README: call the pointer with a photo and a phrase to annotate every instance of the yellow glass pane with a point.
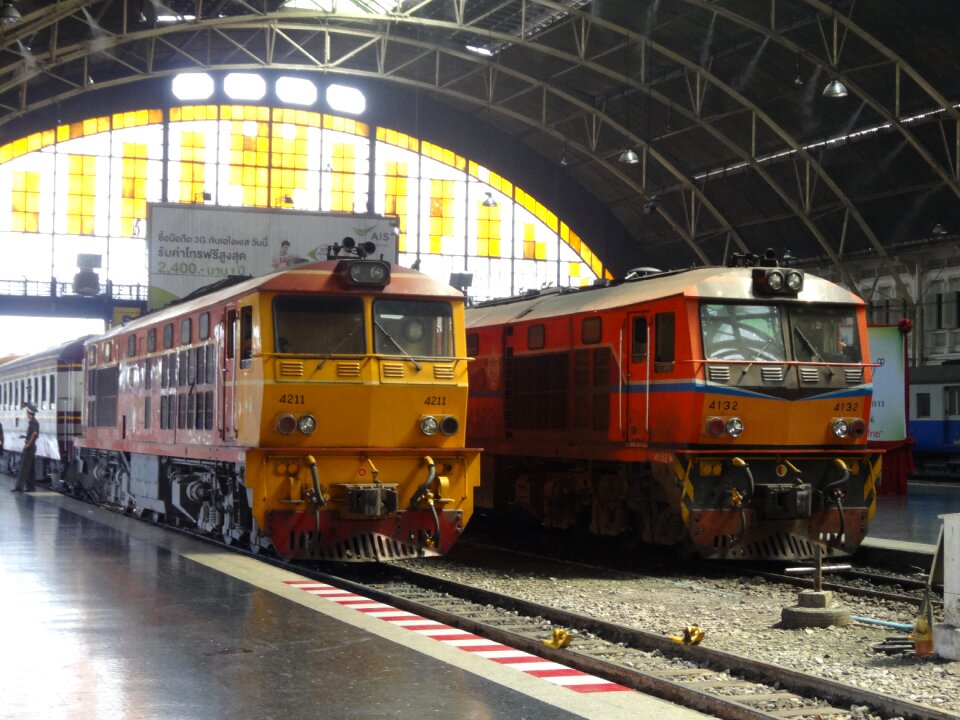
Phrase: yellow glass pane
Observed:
(529, 250)
(541, 251)
(529, 232)
(495, 247)
(573, 269)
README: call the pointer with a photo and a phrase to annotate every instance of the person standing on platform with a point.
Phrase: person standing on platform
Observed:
(25, 478)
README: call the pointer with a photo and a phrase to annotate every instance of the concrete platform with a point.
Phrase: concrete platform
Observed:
(104, 616)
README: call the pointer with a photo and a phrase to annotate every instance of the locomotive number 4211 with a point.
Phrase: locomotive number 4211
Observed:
(435, 400)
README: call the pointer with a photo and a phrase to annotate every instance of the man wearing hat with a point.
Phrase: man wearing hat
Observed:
(25, 478)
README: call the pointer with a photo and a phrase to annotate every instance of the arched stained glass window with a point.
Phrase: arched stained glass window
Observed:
(453, 215)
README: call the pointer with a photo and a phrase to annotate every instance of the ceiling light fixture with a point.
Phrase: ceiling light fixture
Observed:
(488, 200)
(628, 157)
(563, 157)
(835, 89)
(9, 13)
(939, 230)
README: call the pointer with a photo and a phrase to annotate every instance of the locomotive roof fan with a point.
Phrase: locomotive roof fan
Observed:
(768, 277)
(363, 273)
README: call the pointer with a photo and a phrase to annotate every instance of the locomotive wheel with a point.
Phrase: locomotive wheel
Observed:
(259, 542)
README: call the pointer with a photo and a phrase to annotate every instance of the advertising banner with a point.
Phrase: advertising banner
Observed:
(888, 415)
(190, 246)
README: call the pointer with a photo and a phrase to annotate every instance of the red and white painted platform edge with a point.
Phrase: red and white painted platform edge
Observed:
(525, 662)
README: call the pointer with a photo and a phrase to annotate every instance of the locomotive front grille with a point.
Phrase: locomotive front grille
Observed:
(719, 373)
(772, 373)
(392, 370)
(810, 374)
(443, 372)
(291, 368)
(854, 376)
(348, 369)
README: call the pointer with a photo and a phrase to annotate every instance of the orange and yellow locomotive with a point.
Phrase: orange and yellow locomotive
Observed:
(317, 412)
(722, 409)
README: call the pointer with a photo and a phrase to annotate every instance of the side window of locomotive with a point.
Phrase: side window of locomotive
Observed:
(204, 326)
(230, 332)
(246, 336)
(591, 330)
(638, 341)
(419, 328)
(318, 326)
(664, 342)
(186, 331)
(152, 340)
(168, 336)
(131, 346)
(536, 337)
(473, 344)
(923, 405)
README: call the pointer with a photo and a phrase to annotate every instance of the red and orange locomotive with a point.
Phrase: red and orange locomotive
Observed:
(724, 409)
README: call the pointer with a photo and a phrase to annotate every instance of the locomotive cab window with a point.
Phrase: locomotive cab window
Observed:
(742, 332)
(318, 326)
(246, 336)
(664, 350)
(638, 342)
(824, 334)
(420, 328)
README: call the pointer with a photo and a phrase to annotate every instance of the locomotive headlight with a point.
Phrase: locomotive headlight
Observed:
(286, 424)
(795, 280)
(734, 427)
(449, 425)
(840, 428)
(715, 426)
(775, 280)
(307, 424)
(429, 425)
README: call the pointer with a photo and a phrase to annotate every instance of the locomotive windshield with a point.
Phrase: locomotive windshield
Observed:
(418, 328)
(742, 332)
(814, 333)
(318, 325)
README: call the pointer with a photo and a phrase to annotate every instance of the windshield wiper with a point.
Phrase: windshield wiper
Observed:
(814, 355)
(327, 356)
(397, 345)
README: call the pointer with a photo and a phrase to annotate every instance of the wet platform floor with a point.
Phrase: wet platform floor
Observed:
(104, 616)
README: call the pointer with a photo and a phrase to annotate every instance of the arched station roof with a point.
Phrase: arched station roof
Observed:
(738, 149)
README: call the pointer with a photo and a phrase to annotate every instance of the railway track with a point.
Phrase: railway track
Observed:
(715, 682)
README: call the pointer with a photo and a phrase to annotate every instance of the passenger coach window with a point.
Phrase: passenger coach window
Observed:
(664, 350)
(421, 328)
(923, 405)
